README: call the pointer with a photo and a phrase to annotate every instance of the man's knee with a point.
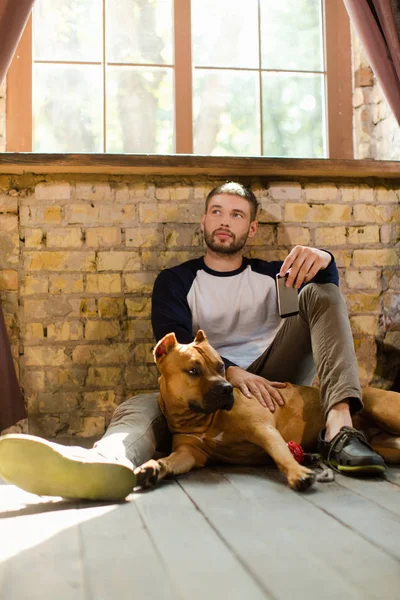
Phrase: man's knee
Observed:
(321, 296)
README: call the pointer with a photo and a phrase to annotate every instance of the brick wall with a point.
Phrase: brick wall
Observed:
(78, 259)
(376, 132)
(3, 117)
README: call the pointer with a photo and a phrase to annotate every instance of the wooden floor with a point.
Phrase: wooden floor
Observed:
(228, 532)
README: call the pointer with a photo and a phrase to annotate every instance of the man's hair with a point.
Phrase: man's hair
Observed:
(235, 189)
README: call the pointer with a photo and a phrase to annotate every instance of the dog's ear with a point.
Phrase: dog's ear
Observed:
(200, 337)
(164, 346)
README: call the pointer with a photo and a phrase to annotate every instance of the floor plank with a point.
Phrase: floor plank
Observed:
(261, 526)
(199, 562)
(120, 560)
(354, 559)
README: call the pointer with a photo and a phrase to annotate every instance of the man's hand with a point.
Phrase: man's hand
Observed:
(304, 263)
(254, 385)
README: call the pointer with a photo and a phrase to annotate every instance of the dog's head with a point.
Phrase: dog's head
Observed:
(192, 377)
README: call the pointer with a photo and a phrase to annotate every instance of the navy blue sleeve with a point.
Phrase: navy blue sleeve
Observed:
(170, 310)
(328, 275)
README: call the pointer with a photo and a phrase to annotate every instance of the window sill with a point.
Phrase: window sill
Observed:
(182, 164)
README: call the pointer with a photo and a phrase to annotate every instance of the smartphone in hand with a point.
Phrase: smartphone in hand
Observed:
(288, 298)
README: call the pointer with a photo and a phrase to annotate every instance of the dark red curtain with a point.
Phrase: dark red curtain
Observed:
(377, 23)
(13, 17)
(12, 407)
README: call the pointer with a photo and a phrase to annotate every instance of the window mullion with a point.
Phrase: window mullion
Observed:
(339, 89)
(183, 77)
(19, 101)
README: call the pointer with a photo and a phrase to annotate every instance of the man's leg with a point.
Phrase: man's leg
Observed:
(319, 340)
(104, 472)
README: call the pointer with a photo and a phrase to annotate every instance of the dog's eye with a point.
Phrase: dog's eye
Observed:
(193, 371)
(221, 368)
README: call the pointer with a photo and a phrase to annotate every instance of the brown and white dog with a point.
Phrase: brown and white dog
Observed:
(212, 421)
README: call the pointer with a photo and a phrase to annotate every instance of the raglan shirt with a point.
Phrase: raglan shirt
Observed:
(238, 310)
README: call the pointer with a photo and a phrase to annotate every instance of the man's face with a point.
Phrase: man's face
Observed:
(227, 224)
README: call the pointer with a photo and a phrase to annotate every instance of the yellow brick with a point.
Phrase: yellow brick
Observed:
(137, 376)
(104, 376)
(103, 236)
(366, 234)
(375, 257)
(143, 353)
(267, 254)
(364, 324)
(139, 282)
(138, 307)
(110, 307)
(9, 250)
(363, 302)
(90, 354)
(81, 213)
(285, 191)
(317, 213)
(182, 235)
(163, 193)
(101, 330)
(64, 238)
(180, 193)
(53, 191)
(390, 234)
(8, 280)
(33, 331)
(92, 426)
(384, 195)
(8, 204)
(265, 236)
(60, 261)
(83, 307)
(39, 356)
(124, 214)
(107, 283)
(376, 214)
(143, 237)
(137, 329)
(66, 284)
(343, 258)
(52, 214)
(164, 260)
(64, 379)
(34, 381)
(8, 223)
(99, 400)
(35, 285)
(330, 236)
(118, 261)
(201, 192)
(320, 193)
(362, 279)
(292, 236)
(353, 194)
(64, 331)
(93, 191)
(33, 238)
(269, 212)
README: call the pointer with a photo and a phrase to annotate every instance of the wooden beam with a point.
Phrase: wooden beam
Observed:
(183, 77)
(231, 166)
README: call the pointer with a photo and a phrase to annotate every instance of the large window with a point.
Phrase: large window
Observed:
(213, 77)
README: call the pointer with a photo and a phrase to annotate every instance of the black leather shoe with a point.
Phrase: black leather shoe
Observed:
(350, 453)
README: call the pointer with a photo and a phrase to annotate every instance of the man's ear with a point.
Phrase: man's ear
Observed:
(253, 229)
(200, 337)
(203, 218)
(164, 346)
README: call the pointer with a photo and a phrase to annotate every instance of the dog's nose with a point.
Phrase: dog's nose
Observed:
(224, 388)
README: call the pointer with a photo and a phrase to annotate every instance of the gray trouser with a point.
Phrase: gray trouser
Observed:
(316, 341)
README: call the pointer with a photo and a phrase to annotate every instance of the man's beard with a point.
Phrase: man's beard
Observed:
(233, 247)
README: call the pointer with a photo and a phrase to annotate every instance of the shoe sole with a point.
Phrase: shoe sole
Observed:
(367, 469)
(39, 467)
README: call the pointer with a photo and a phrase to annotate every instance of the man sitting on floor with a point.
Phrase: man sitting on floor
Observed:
(233, 299)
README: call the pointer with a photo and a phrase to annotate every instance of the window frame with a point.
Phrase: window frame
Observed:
(339, 117)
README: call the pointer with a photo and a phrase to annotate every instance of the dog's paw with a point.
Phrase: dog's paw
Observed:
(147, 474)
(302, 480)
